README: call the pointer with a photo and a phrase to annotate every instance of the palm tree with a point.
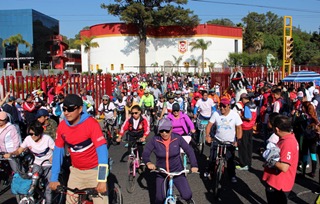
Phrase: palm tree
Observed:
(88, 44)
(177, 60)
(258, 41)
(15, 40)
(202, 45)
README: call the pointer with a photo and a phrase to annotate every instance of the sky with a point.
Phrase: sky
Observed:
(74, 15)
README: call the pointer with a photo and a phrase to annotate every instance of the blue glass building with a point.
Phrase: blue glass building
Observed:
(35, 28)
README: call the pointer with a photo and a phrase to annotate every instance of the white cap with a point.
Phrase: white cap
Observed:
(316, 91)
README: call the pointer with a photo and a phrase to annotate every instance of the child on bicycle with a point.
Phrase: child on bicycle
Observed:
(167, 150)
(41, 146)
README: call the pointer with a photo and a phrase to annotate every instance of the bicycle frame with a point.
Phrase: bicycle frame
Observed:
(134, 158)
(170, 197)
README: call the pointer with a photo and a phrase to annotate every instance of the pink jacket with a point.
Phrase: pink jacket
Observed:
(9, 138)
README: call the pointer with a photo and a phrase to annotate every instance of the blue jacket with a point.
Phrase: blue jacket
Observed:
(169, 157)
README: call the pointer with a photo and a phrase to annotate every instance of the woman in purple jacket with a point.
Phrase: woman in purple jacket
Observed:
(181, 123)
(167, 150)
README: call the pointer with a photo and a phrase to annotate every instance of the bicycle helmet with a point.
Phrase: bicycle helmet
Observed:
(170, 96)
(178, 92)
(105, 97)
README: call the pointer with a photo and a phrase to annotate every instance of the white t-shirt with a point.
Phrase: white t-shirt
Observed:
(42, 149)
(205, 107)
(108, 110)
(226, 125)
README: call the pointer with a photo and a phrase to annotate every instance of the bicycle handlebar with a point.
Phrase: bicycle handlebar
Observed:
(171, 174)
(85, 191)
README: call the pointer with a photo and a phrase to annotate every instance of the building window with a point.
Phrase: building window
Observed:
(236, 46)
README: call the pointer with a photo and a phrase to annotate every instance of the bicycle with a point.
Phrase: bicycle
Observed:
(5, 174)
(133, 166)
(38, 196)
(202, 124)
(148, 114)
(171, 198)
(184, 157)
(109, 132)
(217, 173)
(83, 196)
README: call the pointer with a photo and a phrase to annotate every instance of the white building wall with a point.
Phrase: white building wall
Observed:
(119, 50)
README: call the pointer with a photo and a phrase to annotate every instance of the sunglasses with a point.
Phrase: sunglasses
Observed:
(105, 99)
(175, 111)
(222, 106)
(162, 131)
(32, 134)
(134, 113)
(69, 109)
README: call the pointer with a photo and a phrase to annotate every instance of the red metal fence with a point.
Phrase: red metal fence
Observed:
(20, 86)
(254, 74)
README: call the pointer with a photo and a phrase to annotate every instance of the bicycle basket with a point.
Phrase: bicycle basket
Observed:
(202, 124)
(20, 185)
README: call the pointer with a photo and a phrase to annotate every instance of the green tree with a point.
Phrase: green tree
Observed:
(88, 45)
(15, 41)
(202, 45)
(177, 60)
(222, 21)
(146, 14)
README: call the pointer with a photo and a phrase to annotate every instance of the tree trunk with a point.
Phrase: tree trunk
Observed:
(202, 65)
(89, 67)
(142, 48)
(18, 60)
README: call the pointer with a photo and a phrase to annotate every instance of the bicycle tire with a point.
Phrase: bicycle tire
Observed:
(217, 177)
(115, 195)
(131, 179)
(170, 200)
(201, 142)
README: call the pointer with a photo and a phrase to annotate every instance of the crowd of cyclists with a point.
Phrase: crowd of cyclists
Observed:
(55, 125)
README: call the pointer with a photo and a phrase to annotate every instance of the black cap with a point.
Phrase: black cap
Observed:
(175, 107)
(72, 100)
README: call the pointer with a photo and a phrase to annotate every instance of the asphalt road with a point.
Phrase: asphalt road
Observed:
(248, 189)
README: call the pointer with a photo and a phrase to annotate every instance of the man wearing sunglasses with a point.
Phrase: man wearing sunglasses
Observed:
(228, 128)
(87, 147)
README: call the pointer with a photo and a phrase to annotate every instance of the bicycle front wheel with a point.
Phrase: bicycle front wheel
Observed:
(131, 181)
(201, 141)
(115, 195)
(217, 177)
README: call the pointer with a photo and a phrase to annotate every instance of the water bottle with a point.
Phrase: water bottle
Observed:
(30, 171)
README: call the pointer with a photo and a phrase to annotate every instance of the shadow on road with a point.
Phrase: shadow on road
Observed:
(10, 201)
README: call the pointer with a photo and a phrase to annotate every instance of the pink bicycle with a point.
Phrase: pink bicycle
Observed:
(133, 166)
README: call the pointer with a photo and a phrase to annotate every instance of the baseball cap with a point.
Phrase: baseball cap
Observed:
(3, 115)
(72, 100)
(316, 91)
(42, 112)
(244, 95)
(300, 94)
(225, 101)
(135, 93)
(19, 100)
(175, 107)
(12, 98)
(165, 124)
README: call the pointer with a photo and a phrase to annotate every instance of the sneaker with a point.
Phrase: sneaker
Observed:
(234, 179)
(142, 164)
(245, 168)
(312, 175)
(300, 166)
(126, 145)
